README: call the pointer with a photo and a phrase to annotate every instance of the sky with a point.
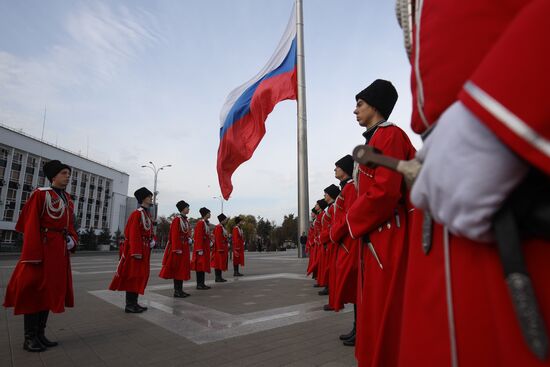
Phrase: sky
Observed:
(131, 81)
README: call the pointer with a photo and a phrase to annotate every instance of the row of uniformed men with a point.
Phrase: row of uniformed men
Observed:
(210, 250)
(42, 280)
(440, 280)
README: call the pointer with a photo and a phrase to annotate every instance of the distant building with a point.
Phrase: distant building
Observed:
(99, 192)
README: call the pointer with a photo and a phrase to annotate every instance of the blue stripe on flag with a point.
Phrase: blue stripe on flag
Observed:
(242, 104)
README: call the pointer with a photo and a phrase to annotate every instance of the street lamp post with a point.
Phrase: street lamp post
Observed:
(156, 171)
(221, 200)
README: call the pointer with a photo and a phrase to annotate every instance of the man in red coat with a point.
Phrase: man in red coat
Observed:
(238, 247)
(487, 98)
(310, 246)
(331, 193)
(378, 219)
(344, 281)
(320, 207)
(41, 281)
(221, 248)
(132, 273)
(202, 241)
(176, 262)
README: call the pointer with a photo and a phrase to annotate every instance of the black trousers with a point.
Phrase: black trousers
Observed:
(178, 285)
(218, 273)
(131, 298)
(35, 323)
(200, 277)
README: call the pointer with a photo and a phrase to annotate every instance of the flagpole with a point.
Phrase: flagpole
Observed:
(303, 189)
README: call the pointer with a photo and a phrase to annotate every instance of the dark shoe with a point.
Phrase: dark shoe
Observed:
(220, 280)
(316, 286)
(348, 335)
(47, 343)
(185, 294)
(324, 292)
(133, 309)
(179, 294)
(143, 308)
(201, 287)
(328, 308)
(350, 342)
(32, 344)
(237, 274)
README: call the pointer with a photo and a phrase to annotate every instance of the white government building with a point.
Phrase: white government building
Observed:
(99, 192)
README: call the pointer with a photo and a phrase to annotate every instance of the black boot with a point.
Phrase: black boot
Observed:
(348, 335)
(236, 271)
(42, 320)
(328, 308)
(350, 342)
(324, 292)
(178, 289)
(131, 303)
(219, 278)
(200, 281)
(32, 343)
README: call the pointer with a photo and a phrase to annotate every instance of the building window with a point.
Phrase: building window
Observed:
(14, 175)
(11, 194)
(8, 215)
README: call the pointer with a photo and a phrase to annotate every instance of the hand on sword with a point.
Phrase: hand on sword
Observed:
(372, 157)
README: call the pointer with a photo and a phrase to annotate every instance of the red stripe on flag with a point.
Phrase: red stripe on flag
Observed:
(241, 139)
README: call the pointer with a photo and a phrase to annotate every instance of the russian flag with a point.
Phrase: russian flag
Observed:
(246, 108)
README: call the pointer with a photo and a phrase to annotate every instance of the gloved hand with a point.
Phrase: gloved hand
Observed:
(200, 252)
(179, 252)
(137, 256)
(152, 244)
(70, 243)
(467, 173)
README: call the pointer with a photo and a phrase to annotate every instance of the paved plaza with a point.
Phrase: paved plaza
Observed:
(270, 317)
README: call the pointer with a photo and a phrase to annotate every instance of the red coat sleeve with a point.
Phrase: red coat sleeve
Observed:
(175, 238)
(29, 224)
(327, 222)
(381, 190)
(198, 237)
(72, 231)
(509, 88)
(133, 229)
(339, 228)
(237, 240)
(218, 238)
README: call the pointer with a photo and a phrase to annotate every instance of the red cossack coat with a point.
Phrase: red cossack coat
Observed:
(379, 216)
(313, 263)
(42, 278)
(325, 260)
(502, 78)
(132, 273)
(201, 248)
(238, 246)
(176, 260)
(221, 249)
(347, 249)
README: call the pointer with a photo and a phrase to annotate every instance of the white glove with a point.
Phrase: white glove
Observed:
(467, 173)
(200, 252)
(152, 244)
(70, 243)
(190, 241)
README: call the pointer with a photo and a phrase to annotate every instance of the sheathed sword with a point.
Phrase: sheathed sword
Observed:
(508, 242)
(372, 157)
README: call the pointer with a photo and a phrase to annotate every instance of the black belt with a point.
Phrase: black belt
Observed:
(526, 213)
(58, 230)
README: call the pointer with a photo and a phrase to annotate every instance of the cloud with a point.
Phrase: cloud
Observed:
(96, 43)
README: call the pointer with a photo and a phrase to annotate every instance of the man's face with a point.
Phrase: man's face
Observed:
(317, 208)
(185, 211)
(339, 173)
(364, 113)
(207, 216)
(148, 201)
(328, 199)
(61, 180)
